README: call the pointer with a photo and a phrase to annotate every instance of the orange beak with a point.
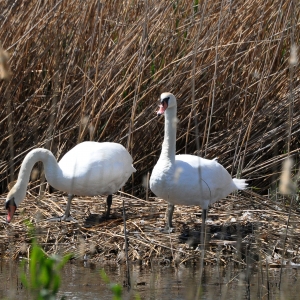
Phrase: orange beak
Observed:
(162, 108)
(10, 212)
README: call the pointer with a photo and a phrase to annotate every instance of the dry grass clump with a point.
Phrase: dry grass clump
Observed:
(239, 231)
(94, 70)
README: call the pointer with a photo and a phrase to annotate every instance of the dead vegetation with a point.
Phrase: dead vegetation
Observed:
(244, 229)
(91, 70)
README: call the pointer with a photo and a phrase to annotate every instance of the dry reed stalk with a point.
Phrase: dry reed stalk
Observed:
(5, 72)
(288, 186)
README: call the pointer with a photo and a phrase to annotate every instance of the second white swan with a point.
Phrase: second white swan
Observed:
(187, 179)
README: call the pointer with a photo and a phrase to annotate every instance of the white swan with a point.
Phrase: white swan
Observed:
(187, 179)
(89, 169)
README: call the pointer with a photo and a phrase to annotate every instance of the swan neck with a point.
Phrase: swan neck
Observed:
(43, 155)
(169, 143)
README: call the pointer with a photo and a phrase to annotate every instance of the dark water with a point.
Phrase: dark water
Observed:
(83, 281)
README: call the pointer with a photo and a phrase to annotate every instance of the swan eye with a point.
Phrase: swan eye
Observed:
(10, 202)
(165, 101)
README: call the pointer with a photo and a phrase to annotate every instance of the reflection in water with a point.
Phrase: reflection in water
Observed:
(84, 282)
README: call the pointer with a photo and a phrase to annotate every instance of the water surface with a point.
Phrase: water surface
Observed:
(83, 281)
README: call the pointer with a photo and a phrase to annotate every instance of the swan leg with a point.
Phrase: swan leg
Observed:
(170, 215)
(108, 204)
(66, 216)
(67, 211)
(168, 228)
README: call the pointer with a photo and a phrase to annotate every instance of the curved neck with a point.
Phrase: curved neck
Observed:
(51, 167)
(169, 144)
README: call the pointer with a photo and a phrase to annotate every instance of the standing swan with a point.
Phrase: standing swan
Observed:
(187, 179)
(89, 169)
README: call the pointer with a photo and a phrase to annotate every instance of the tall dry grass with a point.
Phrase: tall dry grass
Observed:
(94, 70)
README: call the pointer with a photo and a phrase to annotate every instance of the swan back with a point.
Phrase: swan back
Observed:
(89, 169)
(191, 180)
(92, 168)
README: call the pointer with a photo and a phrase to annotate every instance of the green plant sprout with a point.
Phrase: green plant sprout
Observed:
(115, 287)
(44, 279)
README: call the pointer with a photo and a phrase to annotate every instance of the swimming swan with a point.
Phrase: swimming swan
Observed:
(89, 169)
(187, 179)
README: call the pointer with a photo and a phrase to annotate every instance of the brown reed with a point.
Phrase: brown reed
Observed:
(107, 63)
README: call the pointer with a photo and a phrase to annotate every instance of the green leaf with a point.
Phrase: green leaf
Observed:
(43, 281)
(104, 276)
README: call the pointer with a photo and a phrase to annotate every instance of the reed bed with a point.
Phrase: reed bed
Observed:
(94, 71)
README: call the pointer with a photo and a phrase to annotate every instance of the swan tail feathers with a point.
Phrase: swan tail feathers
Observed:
(240, 183)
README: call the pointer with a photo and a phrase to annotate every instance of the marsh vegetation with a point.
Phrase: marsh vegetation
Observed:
(93, 70)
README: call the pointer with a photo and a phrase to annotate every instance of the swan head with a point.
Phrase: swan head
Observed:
(13, 199)
(167, 100)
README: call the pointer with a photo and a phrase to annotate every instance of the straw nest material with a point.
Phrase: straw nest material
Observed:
(242, 227)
